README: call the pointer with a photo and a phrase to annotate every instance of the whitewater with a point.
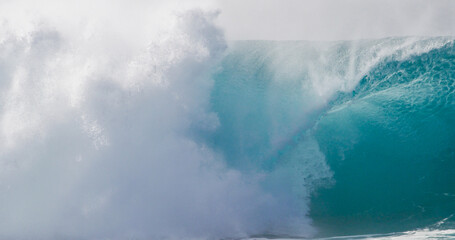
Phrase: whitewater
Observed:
(169, 131)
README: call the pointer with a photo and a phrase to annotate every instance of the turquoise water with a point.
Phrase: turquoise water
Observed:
(360, 134)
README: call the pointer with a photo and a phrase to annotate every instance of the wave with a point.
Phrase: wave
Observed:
(360, 131)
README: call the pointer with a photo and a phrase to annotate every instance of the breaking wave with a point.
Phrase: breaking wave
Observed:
(188, 136)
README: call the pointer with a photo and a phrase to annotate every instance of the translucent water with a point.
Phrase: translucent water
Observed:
(363, 131)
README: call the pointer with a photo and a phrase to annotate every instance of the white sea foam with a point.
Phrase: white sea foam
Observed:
(95, 130)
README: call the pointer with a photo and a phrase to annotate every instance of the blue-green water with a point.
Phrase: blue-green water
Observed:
(360, 134)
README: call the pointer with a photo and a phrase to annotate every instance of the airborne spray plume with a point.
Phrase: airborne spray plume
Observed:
(97, 129)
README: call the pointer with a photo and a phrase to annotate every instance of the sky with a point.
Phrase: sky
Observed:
(263, 19)
(335, 19)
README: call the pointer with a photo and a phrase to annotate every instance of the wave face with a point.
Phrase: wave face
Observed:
(391, 144)
(362, 132)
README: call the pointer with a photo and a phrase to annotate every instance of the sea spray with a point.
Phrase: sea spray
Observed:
(98, 138)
